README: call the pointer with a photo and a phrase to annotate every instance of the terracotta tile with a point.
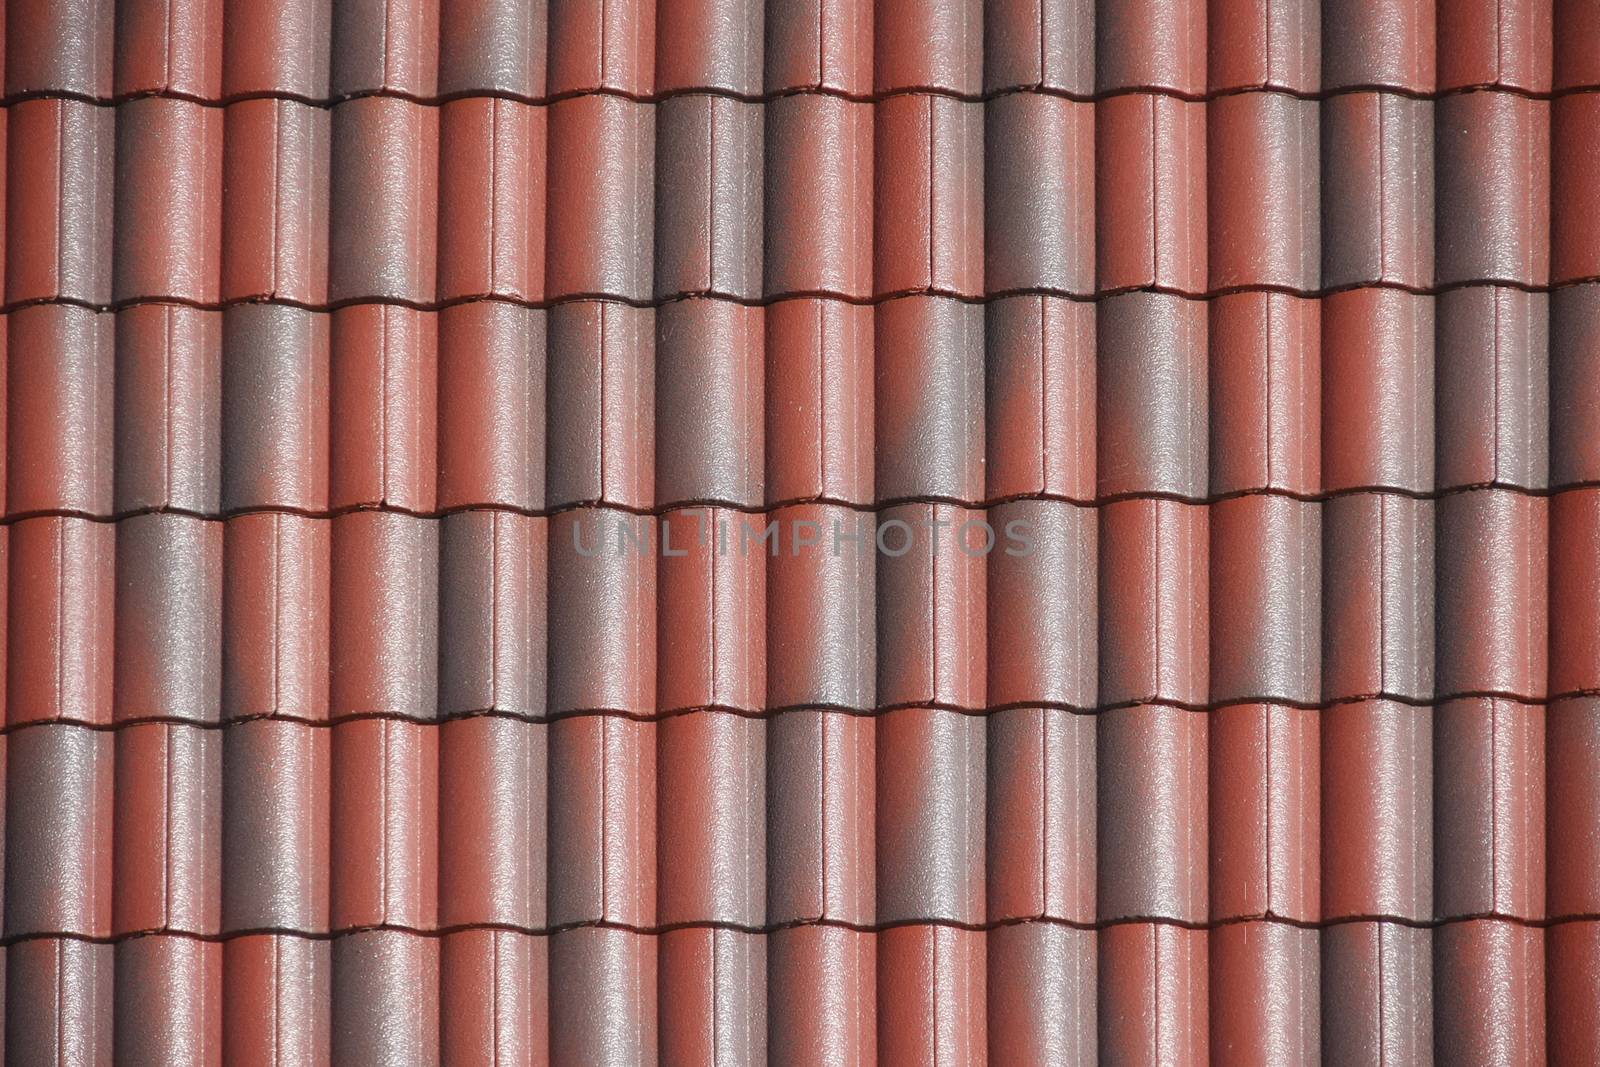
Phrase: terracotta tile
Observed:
(821, 628)
(819, 401)
(930, 811)
(929, 44)
(709, 155)
(61, 47)
(1266, 599)
(275, 616)
(600, 226)
(1265, 816)
(1265, 383)
(1388, 44)
(602, 597)
(492, 405)
(600, 405)
(491, 199)
(821, 832)
(277, 999)
(494, 990)
(1151, 382)
(822, 993)
(1493, 405)
(1043, 609)
(1041, 831)
(709, 403)
(1264, 982)
(1482, 43)
(602, 867)
(720, 1020)
(709, 44)
(820, 44)
(384, 615)
(819, 197)
(1377, 190)
(929, 400)
(169, 619)
(60, 647)
(1150, 192)
(60, 1001)
(932, 1000)
(1152, 815)
(711, 822)
(1377, 811)
(1377, 992)
(1264, 44)
(283, 48)
(495, 46)
(384, 992)
(275, 860)
(1574, 322)
(1575, 63)
(275, 383)
(603, 46)
(383, 224)
(493, 568)
(168, 830)
(386, 45)
(1570, 954)
(1378, 390)
(1492, 188)
(1042, 985)
(59, 872)
(169, 48)
(1154, 602)
(168, 409)
(603, 999)
(493, 773)
(1378, 596)
(1262, 151)
(59, 200)
(168, 1000)
(1047, 45)
(711, 613)
(168, 201)
(1489, 808)
(1150, 44)
(1039, 205)
(384, 826)
(1574, 237)
(931, 599)
(1575, 592)
(1490, 612)
(61, 405)
(928, 219)
(1163, 970)
(1489, 992)
(383, 414)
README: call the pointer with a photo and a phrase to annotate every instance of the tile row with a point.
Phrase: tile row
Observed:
(1373, 809)
(1032, 603)
(704, 401)
(321, 50)
(382, 198)
(1032, 993)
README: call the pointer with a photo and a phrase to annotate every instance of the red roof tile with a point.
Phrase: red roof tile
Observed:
(800, 532)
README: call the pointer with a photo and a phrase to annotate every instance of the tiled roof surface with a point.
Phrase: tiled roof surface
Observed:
(336, 329)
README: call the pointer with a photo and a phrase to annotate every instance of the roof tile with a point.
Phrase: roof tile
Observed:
(491, 199)
(820, 44)
(498, 46)
(1048, 45)
(277, 48)
(60, 47)
(277, 998)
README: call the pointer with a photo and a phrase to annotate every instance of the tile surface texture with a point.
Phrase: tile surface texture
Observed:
(927, 532)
